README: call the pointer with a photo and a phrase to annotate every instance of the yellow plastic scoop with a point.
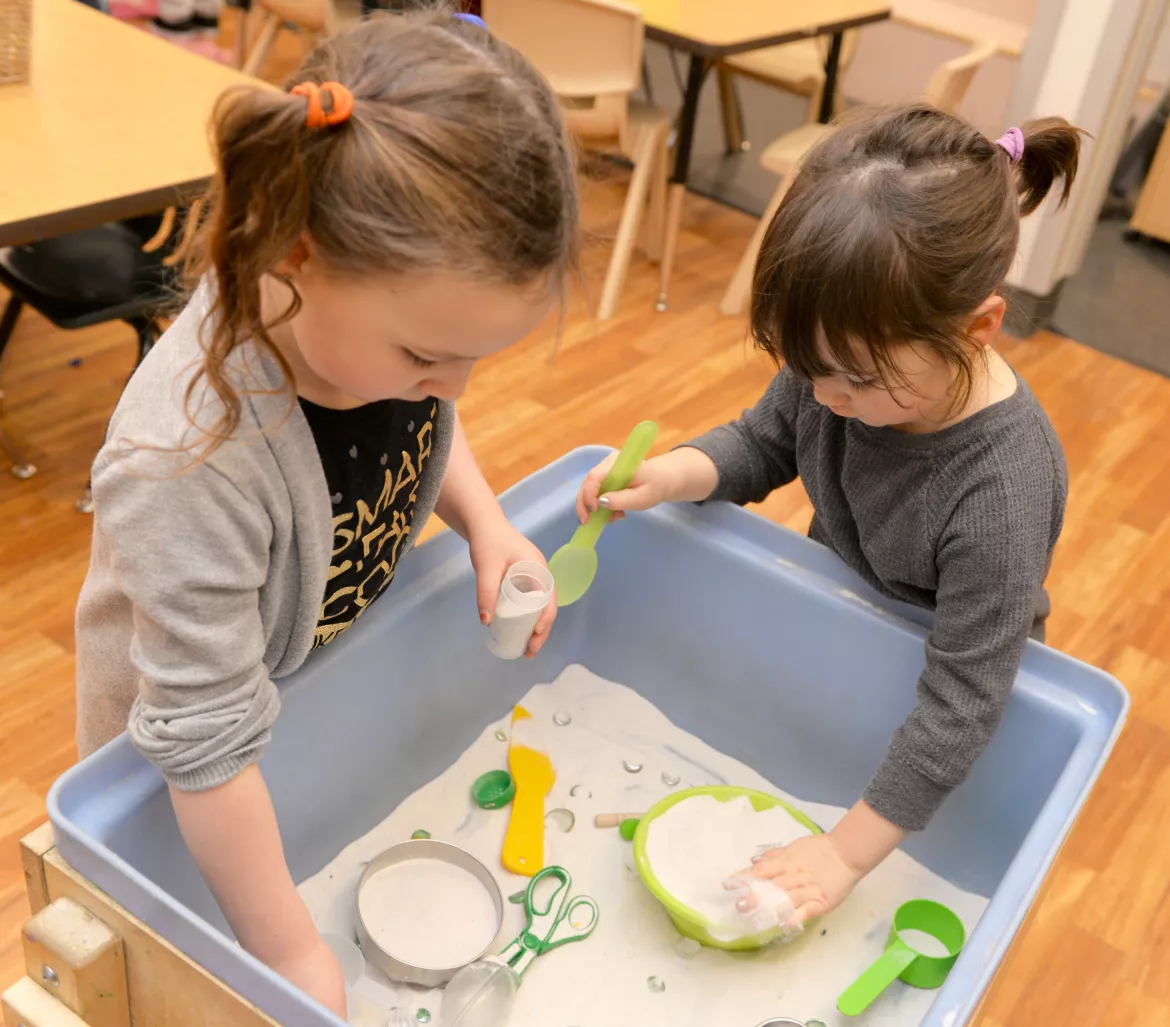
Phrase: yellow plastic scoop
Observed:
(574, 565)
(523, 851)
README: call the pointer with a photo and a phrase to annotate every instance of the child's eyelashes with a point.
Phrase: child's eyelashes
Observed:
(419, 361)
(855, 383)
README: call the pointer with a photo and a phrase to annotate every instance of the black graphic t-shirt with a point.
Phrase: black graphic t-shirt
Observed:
(374, 458)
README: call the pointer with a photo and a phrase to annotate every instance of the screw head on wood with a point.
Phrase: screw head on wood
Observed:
(50, 976)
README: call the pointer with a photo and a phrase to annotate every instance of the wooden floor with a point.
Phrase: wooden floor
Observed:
(1096, 952)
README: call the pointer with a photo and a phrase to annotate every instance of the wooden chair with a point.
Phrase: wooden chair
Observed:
(591, 53)
(945, 90)
(315, 18)
(794, 67)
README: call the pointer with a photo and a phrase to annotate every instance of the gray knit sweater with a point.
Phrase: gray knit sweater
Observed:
(206, 581)
(961, 521)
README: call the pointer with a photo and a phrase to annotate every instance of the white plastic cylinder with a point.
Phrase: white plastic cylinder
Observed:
(524, 593)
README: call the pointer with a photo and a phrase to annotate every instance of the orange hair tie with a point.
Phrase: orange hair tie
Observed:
(340, 109)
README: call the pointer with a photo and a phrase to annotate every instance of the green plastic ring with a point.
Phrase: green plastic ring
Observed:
(493, 790)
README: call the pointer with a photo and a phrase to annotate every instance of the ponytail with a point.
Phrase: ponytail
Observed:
(1051, 151)
(257, 208)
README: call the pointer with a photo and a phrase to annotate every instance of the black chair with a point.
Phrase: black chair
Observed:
(117, 272)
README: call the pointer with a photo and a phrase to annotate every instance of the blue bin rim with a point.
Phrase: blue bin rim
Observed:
(118, 766)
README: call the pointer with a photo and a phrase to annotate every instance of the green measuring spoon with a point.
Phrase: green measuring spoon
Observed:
(902, 959)
(574, 565)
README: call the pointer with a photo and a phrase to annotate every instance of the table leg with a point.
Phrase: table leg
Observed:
(243, 17)
(832, 62)
(682, 166)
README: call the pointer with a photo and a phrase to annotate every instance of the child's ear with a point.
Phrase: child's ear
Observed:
(986, 321)
(296, 258)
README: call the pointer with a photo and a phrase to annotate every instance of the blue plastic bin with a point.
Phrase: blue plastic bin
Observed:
(708, 613)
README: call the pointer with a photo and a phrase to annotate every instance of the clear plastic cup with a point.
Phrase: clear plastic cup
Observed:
(480, 995)
(525, 591)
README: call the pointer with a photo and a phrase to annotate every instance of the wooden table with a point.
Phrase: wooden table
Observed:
(710, 30)
(113, 124)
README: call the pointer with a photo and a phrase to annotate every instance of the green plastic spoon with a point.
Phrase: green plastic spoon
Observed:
(574, 565)
(902, 959)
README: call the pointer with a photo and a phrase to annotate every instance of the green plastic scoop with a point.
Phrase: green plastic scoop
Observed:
(574, 565)
(925, 940)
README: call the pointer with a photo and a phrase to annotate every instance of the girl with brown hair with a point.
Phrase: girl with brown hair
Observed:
(932, 470)
(407, 208)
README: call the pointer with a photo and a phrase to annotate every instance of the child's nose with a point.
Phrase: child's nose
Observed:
(450, 386)
(828, 394)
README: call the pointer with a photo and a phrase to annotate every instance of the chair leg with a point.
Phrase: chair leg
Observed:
(659, 181)
(732, 117)
(148, 333)
(21, 467)
(259, 52)
(645, 163)
(674, 202)
(8, 320)
(813, 114)
(739, 289)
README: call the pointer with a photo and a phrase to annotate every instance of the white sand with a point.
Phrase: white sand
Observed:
(429, 913)
(601, 982)
(695, 846)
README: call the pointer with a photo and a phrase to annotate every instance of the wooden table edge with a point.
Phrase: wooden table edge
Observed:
(715, 52)
(92, 215)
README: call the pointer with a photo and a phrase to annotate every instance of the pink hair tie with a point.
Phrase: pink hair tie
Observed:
(1013, 143)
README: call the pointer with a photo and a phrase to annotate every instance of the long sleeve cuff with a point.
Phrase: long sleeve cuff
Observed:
(725, 449)
(903, 795)
(215, 774)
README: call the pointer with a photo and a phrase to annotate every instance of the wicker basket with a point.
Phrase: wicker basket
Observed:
(15, 39)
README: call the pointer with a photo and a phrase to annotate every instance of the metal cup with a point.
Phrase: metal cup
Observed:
(393, 966)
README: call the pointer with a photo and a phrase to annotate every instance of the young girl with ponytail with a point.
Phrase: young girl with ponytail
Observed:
(405, 209)
(933, 471)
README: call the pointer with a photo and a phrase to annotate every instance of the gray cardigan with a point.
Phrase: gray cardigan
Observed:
(206, 579)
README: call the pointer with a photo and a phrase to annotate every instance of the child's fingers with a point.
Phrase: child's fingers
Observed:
(806, 911)
(801, 895)
(543, 626)
(637, 497)
(591, 486)
(487, 594)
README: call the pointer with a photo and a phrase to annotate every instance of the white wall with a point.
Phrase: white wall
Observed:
(894, 62)
(1158, 70)
(1085, 60)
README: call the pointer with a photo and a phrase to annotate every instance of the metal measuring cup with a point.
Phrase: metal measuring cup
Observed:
(392, 964)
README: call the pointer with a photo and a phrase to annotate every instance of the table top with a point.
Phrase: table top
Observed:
(720, 28)
(112, 124)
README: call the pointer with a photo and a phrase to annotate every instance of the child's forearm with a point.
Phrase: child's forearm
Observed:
(864, 838)
(466, 499)
(232, 834)
(688, 474)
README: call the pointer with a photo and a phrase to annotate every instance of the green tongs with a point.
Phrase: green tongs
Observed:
(556, 922)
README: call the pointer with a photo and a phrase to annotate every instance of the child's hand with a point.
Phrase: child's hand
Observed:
(495, 546)
(812, 872)
(685, 474)
(317, 972)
